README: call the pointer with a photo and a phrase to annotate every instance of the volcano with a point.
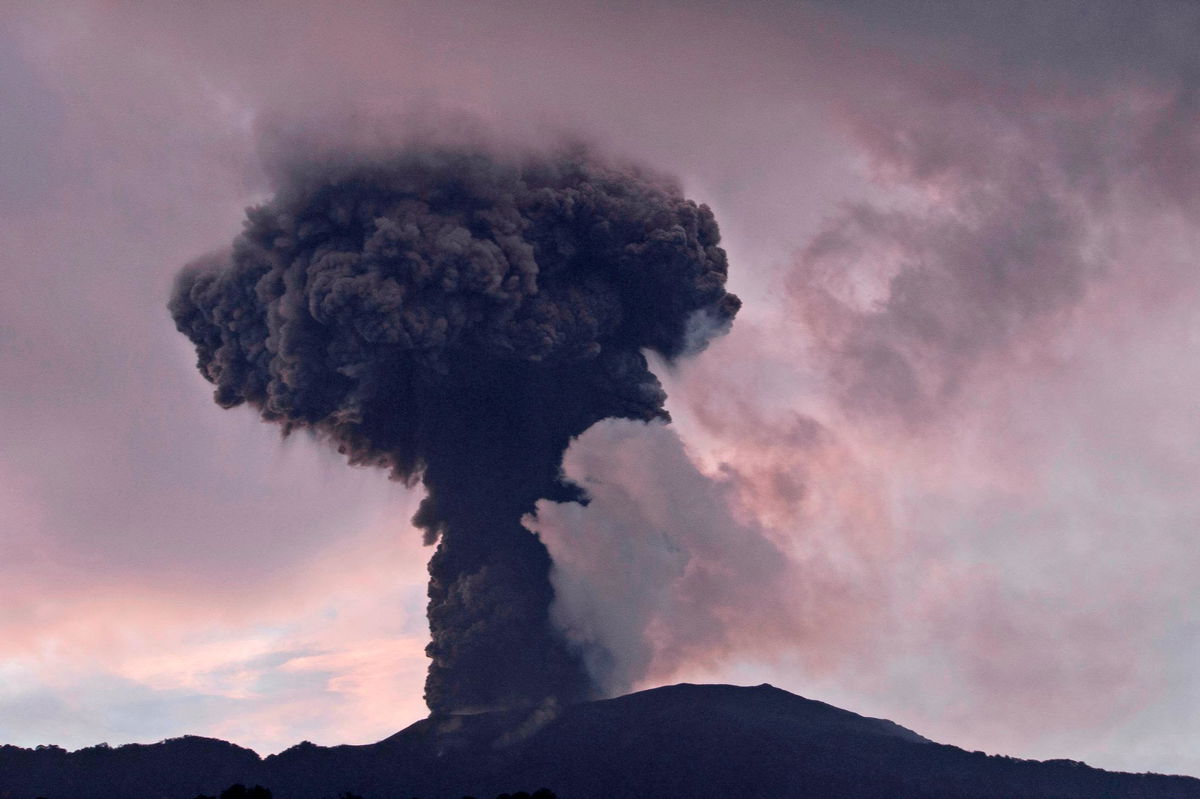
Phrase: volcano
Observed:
(677, 741)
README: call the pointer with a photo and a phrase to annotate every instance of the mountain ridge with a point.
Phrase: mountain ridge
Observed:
(678, 740)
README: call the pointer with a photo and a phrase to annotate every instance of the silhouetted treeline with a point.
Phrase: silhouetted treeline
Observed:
(239, 791)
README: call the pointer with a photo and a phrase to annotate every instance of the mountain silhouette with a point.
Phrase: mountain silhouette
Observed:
(678, 741)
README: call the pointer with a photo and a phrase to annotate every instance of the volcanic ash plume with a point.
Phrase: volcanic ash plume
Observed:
(458, 317)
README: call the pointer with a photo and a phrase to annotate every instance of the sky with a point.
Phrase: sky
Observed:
(942, 470)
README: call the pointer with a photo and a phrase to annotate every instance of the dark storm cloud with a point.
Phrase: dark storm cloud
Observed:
(1017, 132)
(960, 283)
(458, 317)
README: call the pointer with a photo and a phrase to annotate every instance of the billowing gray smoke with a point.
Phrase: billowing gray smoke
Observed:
(458, 317)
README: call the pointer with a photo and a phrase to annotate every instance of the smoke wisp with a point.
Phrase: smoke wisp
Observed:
(457, 317)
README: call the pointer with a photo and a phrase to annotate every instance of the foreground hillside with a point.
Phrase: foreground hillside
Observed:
(679, 741)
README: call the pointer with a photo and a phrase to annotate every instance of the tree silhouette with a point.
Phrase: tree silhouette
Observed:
(239, 791)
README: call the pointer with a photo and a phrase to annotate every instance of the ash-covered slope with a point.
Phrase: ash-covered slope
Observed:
(679, 741)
